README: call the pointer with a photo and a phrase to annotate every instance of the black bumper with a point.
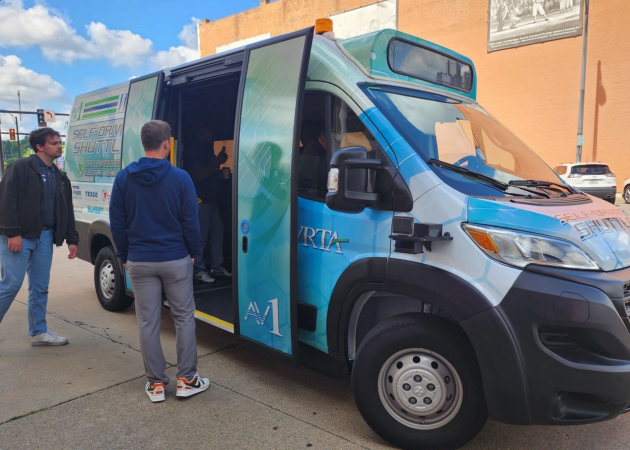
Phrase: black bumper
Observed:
(600, 192)
(557, 348)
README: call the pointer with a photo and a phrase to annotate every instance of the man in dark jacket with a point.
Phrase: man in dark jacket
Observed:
(36, 212)
(203, 166)
(155, 225)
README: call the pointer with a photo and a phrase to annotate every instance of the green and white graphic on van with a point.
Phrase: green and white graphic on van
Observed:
(139, 112)
(93, 148)
(267, 134)
(380, 223)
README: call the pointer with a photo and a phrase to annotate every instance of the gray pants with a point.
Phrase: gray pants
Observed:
(175, 277)
(211, 229)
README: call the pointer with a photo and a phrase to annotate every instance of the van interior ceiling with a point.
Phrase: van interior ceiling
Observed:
(202, 118)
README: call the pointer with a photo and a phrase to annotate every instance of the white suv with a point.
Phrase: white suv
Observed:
(595, 179)
(626, 190)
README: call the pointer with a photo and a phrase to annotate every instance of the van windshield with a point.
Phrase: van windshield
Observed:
(462, 134)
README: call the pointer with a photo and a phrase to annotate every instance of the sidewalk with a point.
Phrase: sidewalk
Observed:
(89, 394)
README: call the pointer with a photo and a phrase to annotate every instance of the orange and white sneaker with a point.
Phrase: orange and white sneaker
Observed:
(187, 388)
(155, 391)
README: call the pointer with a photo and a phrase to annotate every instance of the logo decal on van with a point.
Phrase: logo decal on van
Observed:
(327, 239)
(593, 223)
(254, 311)
(80, 167)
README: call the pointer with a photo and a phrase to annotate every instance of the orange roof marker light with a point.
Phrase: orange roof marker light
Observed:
(323, 26)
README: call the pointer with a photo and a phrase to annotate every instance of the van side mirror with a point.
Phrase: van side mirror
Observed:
(356, 182)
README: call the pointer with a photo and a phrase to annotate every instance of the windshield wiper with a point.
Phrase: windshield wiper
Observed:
(471, 173)
(479, 176)
(541, 183)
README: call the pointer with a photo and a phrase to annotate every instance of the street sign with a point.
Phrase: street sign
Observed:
(580, 140)
(49, 116)
(41, 120)
(12, 134)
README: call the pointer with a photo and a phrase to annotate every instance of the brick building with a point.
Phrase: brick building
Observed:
(534, 89)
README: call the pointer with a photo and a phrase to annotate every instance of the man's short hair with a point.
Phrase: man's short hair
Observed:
(40, 136)
(153, 133)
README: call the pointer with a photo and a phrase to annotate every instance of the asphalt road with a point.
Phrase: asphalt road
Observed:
(89, 394)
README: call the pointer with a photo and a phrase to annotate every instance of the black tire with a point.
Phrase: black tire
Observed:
(611, 200)
(626, 194)
(110, 292)
(408, 334)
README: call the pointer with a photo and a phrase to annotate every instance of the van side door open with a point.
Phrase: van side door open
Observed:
(265, 207)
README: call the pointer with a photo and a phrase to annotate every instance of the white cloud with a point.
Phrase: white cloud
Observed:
(175, 56)
(34, 87)
(188, 35)
(36, 90)
(43, 27)
(47, 29)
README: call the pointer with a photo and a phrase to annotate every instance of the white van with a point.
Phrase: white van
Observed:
(382, 224)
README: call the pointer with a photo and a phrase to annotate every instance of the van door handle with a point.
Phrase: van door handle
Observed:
(244, 245)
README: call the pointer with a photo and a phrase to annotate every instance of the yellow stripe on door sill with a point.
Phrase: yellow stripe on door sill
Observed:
(214, 321)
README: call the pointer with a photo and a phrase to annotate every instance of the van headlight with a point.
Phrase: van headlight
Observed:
(520, 249)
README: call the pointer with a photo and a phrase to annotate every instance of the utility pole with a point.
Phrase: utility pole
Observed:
(580, 135)
(20, 104)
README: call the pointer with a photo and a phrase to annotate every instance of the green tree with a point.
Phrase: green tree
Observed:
(10, 150)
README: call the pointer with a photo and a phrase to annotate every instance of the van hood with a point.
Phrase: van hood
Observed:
(148, 171)
(600, 229)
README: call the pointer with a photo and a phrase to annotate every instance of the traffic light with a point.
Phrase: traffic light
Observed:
(12, 134)
(41, 120)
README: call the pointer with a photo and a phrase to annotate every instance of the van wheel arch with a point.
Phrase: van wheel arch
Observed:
(422, 284)
(99, 237)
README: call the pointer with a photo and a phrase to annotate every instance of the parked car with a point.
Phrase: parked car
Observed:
(595, 179)
(626, 190)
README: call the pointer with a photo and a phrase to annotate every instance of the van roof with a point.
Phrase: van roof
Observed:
(370, 51)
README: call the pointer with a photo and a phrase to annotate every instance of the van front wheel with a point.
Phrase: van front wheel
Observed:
(416, 382)
(109, 281)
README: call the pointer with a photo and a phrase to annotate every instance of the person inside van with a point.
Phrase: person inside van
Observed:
(204, 166)
(313, 167)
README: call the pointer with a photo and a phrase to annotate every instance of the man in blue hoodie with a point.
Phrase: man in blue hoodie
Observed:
(155, 225)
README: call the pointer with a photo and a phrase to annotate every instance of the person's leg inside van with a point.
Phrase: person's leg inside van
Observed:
(12, 271)
(178, 286)
(204, 227)
(215, 240)
(147, 289)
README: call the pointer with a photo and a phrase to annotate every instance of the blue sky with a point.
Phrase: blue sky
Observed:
(53, 50)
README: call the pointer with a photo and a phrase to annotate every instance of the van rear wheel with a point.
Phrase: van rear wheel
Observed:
(416, 382)
(109, 281)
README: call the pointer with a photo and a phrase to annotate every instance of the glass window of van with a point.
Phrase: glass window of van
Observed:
(413, 60)
(460, 133)
(328, 124)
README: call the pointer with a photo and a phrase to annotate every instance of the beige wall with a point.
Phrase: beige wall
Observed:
(534, 89)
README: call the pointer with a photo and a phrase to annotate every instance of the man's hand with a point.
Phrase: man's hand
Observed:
(193, 260)
(73, 251)
(15, 244)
